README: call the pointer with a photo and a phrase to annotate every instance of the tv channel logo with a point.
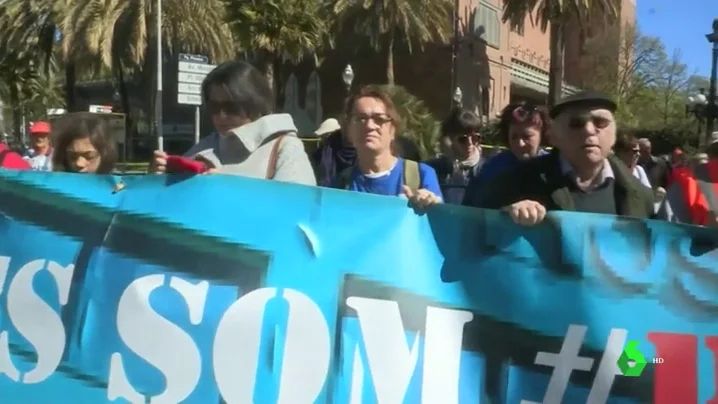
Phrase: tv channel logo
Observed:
(632, 362)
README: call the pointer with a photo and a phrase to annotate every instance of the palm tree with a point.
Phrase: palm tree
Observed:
(121, 34)
(115, 29)
(32, 25)
(278, 30)
(419, 124)
(384, 22)
(556, 14)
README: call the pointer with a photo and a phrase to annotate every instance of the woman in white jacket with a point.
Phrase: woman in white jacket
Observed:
(250, 139)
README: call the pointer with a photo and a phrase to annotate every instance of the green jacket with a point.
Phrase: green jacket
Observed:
(541, 180)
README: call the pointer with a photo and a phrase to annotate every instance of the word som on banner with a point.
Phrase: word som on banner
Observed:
(308, 348)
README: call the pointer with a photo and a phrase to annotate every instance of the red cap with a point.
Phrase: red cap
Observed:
(40, 128)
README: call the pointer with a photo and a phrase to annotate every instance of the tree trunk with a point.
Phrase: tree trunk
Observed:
(390, 60)
(16, 111)
(70, 83)
(269, 70)
(555, 77)
(126, 107)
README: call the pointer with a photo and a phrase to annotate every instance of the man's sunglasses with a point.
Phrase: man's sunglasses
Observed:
(580, 121)
(466, 138)
(229, 108)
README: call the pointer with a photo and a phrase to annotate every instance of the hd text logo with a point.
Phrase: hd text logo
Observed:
(632, 362)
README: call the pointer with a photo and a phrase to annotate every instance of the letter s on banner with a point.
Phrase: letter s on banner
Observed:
(35, 320)
(176, 356)
(306, 349)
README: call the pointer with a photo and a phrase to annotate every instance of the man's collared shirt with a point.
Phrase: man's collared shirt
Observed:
(605, 175)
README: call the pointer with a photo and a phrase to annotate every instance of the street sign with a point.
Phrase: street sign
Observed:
(192, 70)
(189, 88)
(189, 99)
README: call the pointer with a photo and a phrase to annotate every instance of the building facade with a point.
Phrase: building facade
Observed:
(496, 64)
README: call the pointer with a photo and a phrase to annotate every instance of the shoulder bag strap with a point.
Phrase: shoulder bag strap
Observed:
(273, 158)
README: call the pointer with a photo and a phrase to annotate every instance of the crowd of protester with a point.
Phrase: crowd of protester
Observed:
(571, 157)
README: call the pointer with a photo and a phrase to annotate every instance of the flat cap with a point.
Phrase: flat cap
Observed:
(584, 99)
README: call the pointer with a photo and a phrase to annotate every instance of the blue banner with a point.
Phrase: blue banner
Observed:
(218, 289)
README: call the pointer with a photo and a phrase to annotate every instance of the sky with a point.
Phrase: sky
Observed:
(681, 24)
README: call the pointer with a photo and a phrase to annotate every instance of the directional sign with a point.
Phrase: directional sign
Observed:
(189, 99)
(192, 70)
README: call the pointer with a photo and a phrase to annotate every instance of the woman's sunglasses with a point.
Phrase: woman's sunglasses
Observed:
(229, 108)
(465, 139)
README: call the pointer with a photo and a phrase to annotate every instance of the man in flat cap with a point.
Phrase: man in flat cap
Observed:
(580, 174)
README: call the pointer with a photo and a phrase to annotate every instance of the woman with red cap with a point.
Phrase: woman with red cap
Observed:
(40, 156)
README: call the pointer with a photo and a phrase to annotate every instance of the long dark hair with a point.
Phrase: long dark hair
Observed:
(82, 125)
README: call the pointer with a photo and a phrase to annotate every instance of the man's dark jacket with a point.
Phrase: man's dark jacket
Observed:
(541, 180)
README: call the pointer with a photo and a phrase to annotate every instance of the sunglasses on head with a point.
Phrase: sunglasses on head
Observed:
(527, 114)
(472, 137)
(229, 108)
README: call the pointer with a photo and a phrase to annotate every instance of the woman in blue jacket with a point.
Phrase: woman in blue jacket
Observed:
(524, 128)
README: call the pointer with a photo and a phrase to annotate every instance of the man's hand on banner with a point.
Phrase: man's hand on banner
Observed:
(422, 199)
(526, 212)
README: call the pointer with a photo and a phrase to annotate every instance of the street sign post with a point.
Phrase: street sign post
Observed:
(192, 70)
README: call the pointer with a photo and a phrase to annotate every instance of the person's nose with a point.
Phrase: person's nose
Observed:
(522, 143)
(589, 129)
(81, 162)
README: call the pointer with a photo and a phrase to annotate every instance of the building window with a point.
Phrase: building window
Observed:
(519, 28)
(487, 24)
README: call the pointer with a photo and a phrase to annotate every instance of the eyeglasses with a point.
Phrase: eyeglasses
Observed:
(473, 138)
(379, 119)
(229, 108)
(88, 156)
(580, 121)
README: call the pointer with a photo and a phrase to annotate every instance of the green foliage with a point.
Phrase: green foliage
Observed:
(290, 30)
(384, 22)
(418, 123)
(649, 84)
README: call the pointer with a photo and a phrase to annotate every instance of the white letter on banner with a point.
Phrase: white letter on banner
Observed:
(158, 341)
(35, 320)
(442, 354)
(392, 363)
(306, 349)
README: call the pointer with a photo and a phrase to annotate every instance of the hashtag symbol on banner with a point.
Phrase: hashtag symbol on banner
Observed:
(568, 360)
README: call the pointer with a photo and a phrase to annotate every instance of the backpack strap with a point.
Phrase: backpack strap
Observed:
(274, 157)
(3, 154)
(412, 176)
